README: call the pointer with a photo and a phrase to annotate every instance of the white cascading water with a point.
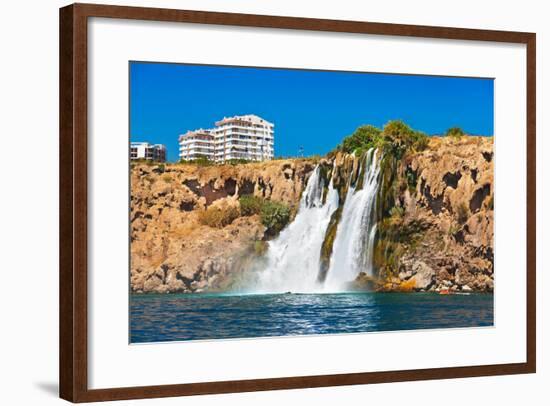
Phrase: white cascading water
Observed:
(354, 242)
(293, 258)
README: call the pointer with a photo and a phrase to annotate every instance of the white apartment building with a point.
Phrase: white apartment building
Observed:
(144, 150)
(196, 144)
(241, 137)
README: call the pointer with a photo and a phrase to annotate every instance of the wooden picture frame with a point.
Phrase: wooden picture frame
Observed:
(74, 201)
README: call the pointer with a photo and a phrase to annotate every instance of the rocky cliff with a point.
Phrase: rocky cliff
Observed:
(438, 234)
(189, 232)
(173, 250)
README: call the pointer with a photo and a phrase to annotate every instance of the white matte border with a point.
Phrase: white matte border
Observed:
(114, 363)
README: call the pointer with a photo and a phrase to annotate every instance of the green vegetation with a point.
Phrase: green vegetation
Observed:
(396, 236)
(364, 138)
(396, 138)
(412, 180)
(396, 142)
(167, 178)
(275, 216)
(389, 185)
(218, 217)
(400, 138)
(200, 161)
(397, 212)
(251, 205)
(204, 161)
(455, 132)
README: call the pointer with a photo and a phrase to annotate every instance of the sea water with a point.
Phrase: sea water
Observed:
(204, 316)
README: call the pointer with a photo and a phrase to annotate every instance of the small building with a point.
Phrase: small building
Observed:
(144, 150)
(247, 137)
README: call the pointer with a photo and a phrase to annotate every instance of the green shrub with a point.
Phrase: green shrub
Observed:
(167, 178)
(455, 132)
(250, 205)
(412, 180)
(420, 141)
(275, 216)
(218, 217)
(399, 138)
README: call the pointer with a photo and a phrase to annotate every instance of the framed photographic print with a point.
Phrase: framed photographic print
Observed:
(256, 202)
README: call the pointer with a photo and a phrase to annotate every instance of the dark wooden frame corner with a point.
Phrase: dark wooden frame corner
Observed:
(73, 201)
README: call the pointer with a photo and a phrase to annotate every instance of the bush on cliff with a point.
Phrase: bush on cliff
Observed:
(218, 217)
(454, 132)
(275, 216)
(399, 138)
(250, 205)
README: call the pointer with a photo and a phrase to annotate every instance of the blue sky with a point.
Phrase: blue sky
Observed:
(310, 109)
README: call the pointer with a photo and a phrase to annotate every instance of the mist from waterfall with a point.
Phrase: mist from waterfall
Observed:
(292, 262)
(354, 242)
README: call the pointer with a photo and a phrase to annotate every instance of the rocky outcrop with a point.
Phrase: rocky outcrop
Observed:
(439, 234)
(172, 251)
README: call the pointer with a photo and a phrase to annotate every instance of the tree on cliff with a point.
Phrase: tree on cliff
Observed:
(395, 138)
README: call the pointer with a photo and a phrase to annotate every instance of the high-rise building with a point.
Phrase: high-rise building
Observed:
(144, 150)
(246, 137)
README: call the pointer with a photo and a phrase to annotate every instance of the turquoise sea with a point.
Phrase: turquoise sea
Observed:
(177, 317)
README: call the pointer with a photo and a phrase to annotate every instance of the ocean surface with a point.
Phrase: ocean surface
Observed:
(177, 317)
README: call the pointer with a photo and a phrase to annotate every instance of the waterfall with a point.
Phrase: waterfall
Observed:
(293, 258)
(354, 242)
(292, 261)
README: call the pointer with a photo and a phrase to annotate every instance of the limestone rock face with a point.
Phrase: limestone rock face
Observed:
(449, 203)
(171, 251)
